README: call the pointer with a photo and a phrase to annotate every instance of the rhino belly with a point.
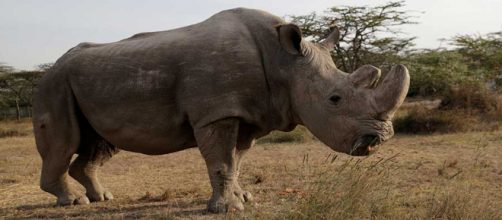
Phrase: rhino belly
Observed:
(136, 111)
(149, 130)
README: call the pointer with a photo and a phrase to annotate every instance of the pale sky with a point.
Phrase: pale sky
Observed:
(35, 31)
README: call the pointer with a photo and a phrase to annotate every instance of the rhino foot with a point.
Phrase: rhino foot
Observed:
(99, 196)
(244, 196)
(234, 202)
(223, 205)
(72, 200)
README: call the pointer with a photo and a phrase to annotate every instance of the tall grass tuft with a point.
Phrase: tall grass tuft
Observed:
(455, 201)
(352, 190)
(367, 189)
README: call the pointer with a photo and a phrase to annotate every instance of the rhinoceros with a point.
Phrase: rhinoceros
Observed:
(216, 85)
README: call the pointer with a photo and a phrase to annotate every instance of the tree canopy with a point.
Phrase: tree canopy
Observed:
(372, 35)
(368, 34)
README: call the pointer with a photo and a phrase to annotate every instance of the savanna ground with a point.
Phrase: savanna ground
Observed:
(446, 176)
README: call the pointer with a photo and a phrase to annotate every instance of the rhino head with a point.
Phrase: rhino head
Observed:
(350, 113)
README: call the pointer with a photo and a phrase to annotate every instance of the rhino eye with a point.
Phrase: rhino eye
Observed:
(335, 99)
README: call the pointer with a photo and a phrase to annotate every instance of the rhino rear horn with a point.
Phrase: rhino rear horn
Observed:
(332, 38)
(391, 92)
(366, 76)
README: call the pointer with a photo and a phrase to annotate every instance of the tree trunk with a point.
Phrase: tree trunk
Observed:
(18, 111)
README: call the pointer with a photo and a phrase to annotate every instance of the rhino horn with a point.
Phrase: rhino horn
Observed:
(366, 76)
(391, 92)
(332, 38)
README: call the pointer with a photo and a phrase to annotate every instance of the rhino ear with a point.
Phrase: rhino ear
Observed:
(290, 37)
(366, 76)
(332, 38)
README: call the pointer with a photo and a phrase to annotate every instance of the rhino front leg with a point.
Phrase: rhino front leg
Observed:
(218, 145)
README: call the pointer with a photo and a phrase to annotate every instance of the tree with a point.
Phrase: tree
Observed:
(368, 34)
(482, 54)
(44, 67)
(16, 88)
(5, 68)
(474, 60)
(434, 72)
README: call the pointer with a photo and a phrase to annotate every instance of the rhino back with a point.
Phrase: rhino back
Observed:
(147, 92)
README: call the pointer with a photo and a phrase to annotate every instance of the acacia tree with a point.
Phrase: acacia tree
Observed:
(472, 62)
(434, 71)
(367, 34)
(16, 88)
(44, 67)
(5, 68)
(482, 53)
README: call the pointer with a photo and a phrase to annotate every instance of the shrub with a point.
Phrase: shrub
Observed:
(420, 121)
(472, 97)
(433, 72)
(497, 113)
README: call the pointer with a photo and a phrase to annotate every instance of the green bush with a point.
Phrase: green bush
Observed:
(433, 72)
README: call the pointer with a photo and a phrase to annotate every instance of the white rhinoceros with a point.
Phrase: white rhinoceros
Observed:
(216, 85)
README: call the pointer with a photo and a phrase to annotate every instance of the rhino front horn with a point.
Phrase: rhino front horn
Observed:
(391, 92)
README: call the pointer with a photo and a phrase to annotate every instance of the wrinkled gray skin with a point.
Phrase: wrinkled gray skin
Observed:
(216, 85)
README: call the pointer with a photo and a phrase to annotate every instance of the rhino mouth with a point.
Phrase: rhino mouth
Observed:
(365, 145)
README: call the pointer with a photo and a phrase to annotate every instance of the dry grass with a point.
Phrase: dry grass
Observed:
(12, 128)
(453, 176)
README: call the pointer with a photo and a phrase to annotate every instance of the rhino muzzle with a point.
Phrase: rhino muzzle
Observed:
(388, 95)
(365, 145)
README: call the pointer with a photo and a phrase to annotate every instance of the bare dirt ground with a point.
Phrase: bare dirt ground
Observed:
(454, 176)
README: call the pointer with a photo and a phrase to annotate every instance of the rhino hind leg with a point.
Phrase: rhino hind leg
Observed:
(54, 180)
(57, 136)
(93, 152)
(245, 141)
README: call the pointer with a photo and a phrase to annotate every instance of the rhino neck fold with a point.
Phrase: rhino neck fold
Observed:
(282, 116)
